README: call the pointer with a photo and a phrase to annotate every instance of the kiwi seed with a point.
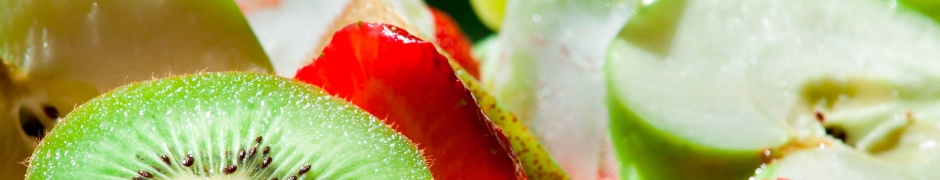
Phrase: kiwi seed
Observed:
(188, 160)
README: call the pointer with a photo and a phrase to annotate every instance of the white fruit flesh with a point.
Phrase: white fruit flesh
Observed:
(291, 29)
(59, 54)
(293, 32)
(549, 72)
(753, 74)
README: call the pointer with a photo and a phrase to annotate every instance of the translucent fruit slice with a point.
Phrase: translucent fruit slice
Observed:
(536, 160)
(547, 68)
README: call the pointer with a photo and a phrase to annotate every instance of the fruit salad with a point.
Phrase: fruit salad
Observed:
(395, 89)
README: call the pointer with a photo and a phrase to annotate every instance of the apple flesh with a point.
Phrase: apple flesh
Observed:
(799, 89)
(56, 55)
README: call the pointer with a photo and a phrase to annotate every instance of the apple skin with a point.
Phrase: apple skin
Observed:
(647, 153)
(60, 54)
(930, 8)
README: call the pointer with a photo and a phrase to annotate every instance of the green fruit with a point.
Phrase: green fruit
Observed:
(797, 89)
(227, 126)
(536, 161)
(490, 12)
(57, 54)
(928, 7)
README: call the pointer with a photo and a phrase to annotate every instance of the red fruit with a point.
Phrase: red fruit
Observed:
(453, 41)
(398, 77)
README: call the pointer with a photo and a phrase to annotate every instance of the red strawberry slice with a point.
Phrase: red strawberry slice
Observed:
(396, 76)
(453, 41)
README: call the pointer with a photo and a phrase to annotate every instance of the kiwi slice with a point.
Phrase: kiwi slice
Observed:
(223, 126)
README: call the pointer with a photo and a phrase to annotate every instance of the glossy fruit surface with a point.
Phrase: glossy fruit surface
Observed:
(547, 69)
(223, 126)
(404, 80)
(452, 40)
(58, 54)
(790, 89)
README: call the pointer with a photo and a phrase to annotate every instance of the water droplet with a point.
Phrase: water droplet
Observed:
(536, 17)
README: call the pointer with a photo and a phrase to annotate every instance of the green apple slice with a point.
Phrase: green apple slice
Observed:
(57, 54)
(798, 89)
(928, 7)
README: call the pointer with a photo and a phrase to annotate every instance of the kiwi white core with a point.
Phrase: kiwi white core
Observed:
(754, 74)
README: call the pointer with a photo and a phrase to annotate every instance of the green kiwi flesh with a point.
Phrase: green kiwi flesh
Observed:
(223, 126)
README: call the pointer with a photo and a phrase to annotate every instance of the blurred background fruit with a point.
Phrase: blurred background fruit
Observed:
(546, 67)
(58, 54)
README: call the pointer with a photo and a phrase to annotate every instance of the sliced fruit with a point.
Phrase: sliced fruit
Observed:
(290, 30)
(16, 144)
(58, 54)
(485, 47)
(452, 40)
(549, 73)
(784, 89)
(403, 79)
(536, 161)
(223, 126)
(416, 13)
(294, 32)
(490, 12)
(929, 7)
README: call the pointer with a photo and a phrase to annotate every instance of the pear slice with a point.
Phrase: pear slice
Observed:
(798, 89)
(547, 68)
(57, 54)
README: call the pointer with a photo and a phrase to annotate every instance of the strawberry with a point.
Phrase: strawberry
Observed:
(403, 79)
(453, 41)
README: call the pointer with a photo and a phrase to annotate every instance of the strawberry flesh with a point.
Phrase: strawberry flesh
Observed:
(396, 76)
(453, 41)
